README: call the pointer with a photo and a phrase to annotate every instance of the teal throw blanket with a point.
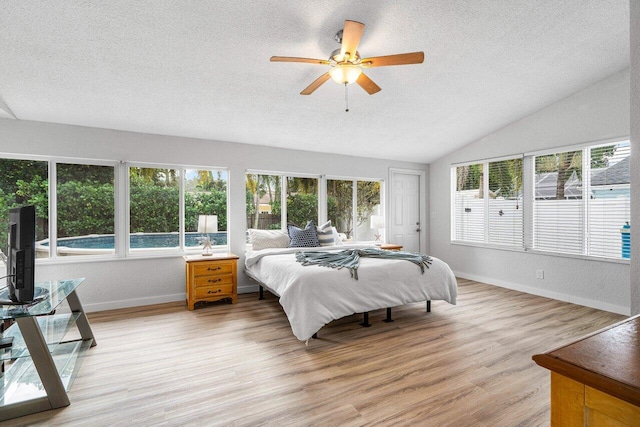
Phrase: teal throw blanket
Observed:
(350, 258)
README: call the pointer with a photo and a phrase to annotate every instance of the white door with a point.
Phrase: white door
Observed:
(405, 224)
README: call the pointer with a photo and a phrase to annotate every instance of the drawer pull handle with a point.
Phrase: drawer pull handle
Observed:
(214, 280)
(214, 292)
(213, 269)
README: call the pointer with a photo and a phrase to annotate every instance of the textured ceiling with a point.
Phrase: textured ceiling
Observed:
(201, 68)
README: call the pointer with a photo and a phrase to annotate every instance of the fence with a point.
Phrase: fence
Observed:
(265, 221)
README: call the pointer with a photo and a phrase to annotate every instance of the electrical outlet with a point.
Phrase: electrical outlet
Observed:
(433, 215)
(539, 274)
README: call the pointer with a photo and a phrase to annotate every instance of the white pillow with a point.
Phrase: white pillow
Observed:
(337, 240)
(264, 239)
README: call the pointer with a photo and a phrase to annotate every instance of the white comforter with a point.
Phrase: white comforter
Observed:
(313, 296)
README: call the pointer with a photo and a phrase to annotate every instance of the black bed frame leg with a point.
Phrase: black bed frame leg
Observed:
(261, 293)
(429, 306)
(365, 321)
(388, 319)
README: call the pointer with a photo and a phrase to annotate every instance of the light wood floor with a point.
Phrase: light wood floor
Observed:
(240, 364)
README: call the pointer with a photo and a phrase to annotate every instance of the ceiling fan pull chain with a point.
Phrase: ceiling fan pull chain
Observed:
(346, 97)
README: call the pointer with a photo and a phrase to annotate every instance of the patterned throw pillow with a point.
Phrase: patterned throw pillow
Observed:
(265, 239)
(325, 234)
(300, 238)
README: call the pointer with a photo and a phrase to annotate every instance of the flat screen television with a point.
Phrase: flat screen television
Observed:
(21, 254)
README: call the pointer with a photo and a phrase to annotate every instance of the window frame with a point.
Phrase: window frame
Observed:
(322, 193)
(354, 202)
(182, 249)
(486, 170)
(528, 190)
(121, 205)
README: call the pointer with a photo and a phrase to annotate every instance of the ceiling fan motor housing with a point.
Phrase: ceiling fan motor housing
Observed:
(337, 58)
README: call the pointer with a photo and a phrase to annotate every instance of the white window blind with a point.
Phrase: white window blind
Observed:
(489, 210)
(505, 221)
(468, 210)
(558, 213)
(582, 200)
(609, 202)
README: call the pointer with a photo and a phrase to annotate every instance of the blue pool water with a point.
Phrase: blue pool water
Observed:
(139, 241)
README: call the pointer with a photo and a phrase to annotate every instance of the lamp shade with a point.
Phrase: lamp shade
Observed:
(377, 222)
(207, 223)
(345, 73)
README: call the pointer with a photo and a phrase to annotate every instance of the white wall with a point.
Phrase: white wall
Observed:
(598, 112)
(635, 155)
(131, 282)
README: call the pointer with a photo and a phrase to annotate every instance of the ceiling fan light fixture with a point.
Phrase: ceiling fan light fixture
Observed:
(345, 73)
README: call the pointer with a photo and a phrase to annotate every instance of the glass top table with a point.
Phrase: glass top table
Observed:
(40, 362)
(49, 295)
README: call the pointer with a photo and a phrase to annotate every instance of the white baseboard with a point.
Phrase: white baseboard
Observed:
(138, 302)
(626, 311)
(160, 299)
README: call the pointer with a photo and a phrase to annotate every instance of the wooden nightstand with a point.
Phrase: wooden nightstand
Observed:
(391, 247)
(211, 278)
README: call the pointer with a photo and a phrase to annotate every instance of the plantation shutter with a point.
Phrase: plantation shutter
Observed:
(609, 201)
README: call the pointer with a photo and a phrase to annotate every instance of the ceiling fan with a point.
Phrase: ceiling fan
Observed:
(347, 64)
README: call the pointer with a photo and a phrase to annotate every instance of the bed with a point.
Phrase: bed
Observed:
(313, 295)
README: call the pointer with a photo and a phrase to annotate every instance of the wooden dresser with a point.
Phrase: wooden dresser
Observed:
(595, 381)
(211, 278)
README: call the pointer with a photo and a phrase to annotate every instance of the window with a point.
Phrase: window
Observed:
(354, 208)
(155, 208)
(264, 199)
(205, 207)
(578, 201)
(340, 205)
(302, 200)
(557, 208)
(169, 208)
(85, 209)
(276, 200)
(582, 200)
(468, 200)
(488, 210)
(25, 182)
(609, 201)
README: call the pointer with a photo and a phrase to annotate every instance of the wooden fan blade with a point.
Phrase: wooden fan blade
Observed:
(351, 35)
(316, 84)
(367, 84)
(294, 59)
(399, 59)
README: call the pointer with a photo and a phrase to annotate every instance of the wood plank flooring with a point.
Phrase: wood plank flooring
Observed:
(240, 365)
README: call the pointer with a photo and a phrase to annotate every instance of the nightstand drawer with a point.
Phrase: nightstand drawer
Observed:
(212, 291)
(211, 280)
(207, 269)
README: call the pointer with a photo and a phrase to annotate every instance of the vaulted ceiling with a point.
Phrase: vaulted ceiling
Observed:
(201, 68)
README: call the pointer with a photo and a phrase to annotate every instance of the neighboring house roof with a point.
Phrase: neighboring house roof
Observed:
(616, 174)
(613, 175)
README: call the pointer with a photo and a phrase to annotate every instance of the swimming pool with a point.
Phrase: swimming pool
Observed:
(106, 242)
